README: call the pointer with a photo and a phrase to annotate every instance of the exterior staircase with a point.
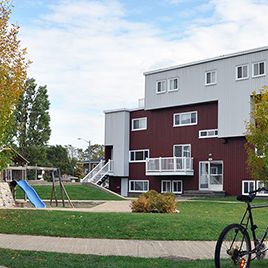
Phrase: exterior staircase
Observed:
(99, 174)
(197, 193)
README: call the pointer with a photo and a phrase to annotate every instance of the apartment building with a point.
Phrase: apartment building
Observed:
(190, 133)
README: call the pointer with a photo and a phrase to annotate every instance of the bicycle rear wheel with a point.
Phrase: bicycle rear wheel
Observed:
(233, 247)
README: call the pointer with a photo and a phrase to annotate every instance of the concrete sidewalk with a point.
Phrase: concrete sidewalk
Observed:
(135, 248)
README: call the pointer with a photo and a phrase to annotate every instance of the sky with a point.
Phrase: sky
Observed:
(92, 54)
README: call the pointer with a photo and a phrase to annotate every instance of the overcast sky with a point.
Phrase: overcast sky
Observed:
(92, 54)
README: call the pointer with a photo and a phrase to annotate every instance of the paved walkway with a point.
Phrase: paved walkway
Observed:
(135, 248)
(100, 206)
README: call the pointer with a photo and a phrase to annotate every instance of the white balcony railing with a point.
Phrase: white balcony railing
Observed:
(170, 166)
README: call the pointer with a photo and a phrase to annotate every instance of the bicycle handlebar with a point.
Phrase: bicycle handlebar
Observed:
(258, 190)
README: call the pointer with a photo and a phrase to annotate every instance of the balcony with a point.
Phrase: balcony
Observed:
(162, 166)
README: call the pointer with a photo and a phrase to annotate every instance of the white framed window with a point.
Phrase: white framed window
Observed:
(208, 133)
(260, 152)
(182, 150)
(171, 186)
(261, 184)
(248, 186)
(251, 185)
(139, 124)
(242, 72)
(177, 187)
(161, 86)
(185, 119)
(138, 186)
(166, 186)
(173, 84)
(138, 155)
(258, 69)
(210, 77)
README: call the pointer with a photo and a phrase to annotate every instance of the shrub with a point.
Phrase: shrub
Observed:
(153, 202)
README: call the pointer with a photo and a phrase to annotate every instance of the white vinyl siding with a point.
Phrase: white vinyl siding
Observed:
(210, 78)
(208, 133)
(139, 124)
(161, 86)
(258, 69)
(138, 155)
(242, 72)
(173, 84)
(138, 186)
(185, 119)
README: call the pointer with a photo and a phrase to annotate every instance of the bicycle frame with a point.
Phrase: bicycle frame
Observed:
(247, 220)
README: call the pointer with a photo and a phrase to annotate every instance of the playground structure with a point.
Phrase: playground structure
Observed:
(31, 194)
(8, 189)
(62, 190)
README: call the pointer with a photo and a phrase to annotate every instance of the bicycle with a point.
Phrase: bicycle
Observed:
(234, 246)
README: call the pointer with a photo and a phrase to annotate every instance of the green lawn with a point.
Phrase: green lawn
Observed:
(28, 259)
(205, 219)
(76, 192)
(12, 258)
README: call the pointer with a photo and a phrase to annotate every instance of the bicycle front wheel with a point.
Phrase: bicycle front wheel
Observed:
(233, 247)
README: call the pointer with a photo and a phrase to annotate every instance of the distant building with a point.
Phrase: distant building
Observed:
(190, 134)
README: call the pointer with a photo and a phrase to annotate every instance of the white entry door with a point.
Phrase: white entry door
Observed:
(211, 175)
(124, 186)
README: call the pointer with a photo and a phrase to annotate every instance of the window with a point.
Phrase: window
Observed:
(185, 119)
(182, 150)
(258, 69)
(251, 185)
(260, 152)
(138, 155)
(248, 186)
(242, 72)
(166, 186)
(210, 78)
(171, 186)
(173, 84)
(139, 124)
(138, 186)
(208, 133)
(161, 86)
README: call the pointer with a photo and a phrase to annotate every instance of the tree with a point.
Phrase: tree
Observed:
(13, 71)
(32, 122)
(257, 136)
(96, 152)
(58, 157)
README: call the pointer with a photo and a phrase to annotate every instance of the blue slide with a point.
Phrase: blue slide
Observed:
(31, 194)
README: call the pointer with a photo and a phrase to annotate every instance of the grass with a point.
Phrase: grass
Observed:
(28, 259)
(206, 220)
(76, 192)
(20, 259)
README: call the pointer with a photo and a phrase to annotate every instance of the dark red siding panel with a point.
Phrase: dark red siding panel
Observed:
(115, 184)
(160, 137)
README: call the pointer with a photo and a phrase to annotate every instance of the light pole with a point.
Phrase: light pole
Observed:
(89, 151)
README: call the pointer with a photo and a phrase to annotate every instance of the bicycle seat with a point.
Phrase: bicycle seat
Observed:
(245, 198)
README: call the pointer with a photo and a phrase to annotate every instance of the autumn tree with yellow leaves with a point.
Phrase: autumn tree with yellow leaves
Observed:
(13, 71)
(257, 136)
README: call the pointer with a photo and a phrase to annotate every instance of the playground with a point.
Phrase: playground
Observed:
(55, 193)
